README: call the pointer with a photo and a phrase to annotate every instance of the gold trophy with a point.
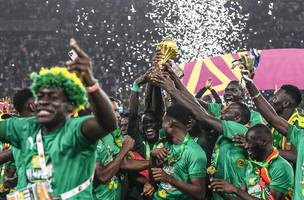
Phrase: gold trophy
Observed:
(168, 47)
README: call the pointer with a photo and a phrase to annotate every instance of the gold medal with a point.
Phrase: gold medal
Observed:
(162, 193)
(211, 170)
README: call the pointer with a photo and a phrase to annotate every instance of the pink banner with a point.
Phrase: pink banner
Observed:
(280, 66)
(276, 67)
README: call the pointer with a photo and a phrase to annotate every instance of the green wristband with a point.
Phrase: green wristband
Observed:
(136, 87)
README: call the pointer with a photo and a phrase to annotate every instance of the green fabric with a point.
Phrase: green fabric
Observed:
(192, 164)
(280, 173)
(215, 109)
(296, 137)
(106, 151)
(2, 190)
(278, 137)
(69, 155)
(19, 165)
(232, 160)
(255, 117)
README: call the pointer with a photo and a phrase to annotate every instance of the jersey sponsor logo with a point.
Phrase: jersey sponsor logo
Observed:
(35, 172)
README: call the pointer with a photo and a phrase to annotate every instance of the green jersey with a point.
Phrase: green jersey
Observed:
(106, 152)
(281, 142)
(70, 157)
(186, 161)
(255, 117)
(281, 176)
(296, 137)
(20, 168)
(229, 160)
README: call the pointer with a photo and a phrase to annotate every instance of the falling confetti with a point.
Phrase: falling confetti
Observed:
(201, 28)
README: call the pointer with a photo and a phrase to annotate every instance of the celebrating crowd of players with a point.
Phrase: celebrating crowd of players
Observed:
(71, 141)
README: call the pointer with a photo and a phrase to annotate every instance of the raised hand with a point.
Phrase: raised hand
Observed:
(163, 80)
(128, 143)
(82, 65)
(145, 77)
(208, 84)
(247, 76)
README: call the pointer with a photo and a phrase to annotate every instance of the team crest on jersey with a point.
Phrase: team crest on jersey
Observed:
(241, 163)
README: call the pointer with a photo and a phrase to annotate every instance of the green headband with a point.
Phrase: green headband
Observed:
(60, 77)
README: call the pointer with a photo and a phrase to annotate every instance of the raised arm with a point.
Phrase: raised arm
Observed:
(266, 109)
(133, 124)
(189, 101)
(104, 119)
(216, 96)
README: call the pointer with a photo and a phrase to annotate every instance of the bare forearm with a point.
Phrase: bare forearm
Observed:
(135, 165)
(267, 110)
(262, 104)
(103, 110)
(201, 92)
(133, 103)
(289, 156)
(199, 113)
(133, 115)
(216, 96)
(192, 190)
(104, 174)
(6, 156)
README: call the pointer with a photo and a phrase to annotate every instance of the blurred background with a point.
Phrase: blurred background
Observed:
(120, 35)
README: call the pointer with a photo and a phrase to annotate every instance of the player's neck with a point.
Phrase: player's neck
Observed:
(178, 137)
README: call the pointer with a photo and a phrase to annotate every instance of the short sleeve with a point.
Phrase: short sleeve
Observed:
(282, 178)
(256, 118)
(197, 164)
(295, 135)
(231, 129)
(215, 109)
(11, 130)
(80, 140)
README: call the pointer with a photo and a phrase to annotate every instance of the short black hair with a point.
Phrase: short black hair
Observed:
(262, 131)
(20, 99)
(294, 92)
(244, 112)
(179, 113)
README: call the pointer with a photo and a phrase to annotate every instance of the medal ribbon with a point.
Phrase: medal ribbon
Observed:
(262, 169)
(173, 158)
(214, 157)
